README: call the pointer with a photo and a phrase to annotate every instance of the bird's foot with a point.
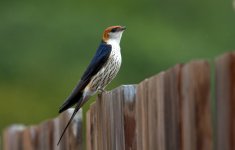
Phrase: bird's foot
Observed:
(101, 91)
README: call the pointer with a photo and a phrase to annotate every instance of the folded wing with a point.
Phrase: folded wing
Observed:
(98, 61)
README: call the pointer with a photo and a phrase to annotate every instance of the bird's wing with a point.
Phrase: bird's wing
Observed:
(100, 58)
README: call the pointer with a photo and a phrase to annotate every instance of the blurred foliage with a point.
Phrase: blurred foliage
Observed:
(46, 45)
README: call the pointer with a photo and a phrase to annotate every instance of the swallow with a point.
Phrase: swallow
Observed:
(102, 69)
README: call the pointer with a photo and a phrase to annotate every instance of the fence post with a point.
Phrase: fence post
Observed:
(158, 112)
(46, 135)
(225, 99)
(111, 120)
(30, 140)
(196, 106)
(173, 109)
(12, 137)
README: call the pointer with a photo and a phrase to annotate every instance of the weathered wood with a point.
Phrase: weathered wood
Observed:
(196, 112)
(159, 103)
(117, 123)
(45, 138)
(111, 120)
(30, 138)
(225, 98)
(158, 112)
(91, 128)
(116, 109)
(129, 97)
(75, 132)
(73, 136)
(12, 137)
(141, 115)
(46, 135)
(172, 113)
(169, 111)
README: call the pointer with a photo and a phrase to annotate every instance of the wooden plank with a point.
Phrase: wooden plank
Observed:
(109, 120)
(92, 143)
(12, 137)
(57, 133)
(59, 125)
(172, 112)
(100, 111)
(119, 108)
(105, 108)
(129, 111)
(196, 112)
(88, 130)
(30, 138)
(117, 119)
(141, 115)
(45, 135)
(73, 136)
(75, 131)
(225, 98)
(156, 113)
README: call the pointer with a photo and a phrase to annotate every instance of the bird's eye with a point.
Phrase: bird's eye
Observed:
(114, 30)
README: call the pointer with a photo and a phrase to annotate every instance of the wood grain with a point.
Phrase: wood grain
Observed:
(196, 111)
(225, 99)
(46, 135)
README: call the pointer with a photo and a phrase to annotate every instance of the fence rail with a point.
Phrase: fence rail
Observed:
(169, 111)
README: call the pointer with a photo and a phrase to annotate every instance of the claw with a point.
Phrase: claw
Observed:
(100, 91)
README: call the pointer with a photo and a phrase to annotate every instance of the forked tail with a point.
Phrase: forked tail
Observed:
(70, 120)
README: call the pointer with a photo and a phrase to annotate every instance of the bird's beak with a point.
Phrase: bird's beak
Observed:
(122, 28)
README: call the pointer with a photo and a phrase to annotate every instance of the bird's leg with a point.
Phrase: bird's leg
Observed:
(101, 91)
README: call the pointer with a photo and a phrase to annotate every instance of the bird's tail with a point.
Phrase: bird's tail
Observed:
(78, 106)
(73, 99)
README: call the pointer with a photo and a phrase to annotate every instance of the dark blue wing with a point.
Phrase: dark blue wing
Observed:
(97, 62)
(100, 58)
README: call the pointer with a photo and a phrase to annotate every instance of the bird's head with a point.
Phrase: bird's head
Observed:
(113, 34)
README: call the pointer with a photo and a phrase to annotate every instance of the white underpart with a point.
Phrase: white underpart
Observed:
(114, 41)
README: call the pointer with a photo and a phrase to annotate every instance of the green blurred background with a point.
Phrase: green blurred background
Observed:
(46, 45)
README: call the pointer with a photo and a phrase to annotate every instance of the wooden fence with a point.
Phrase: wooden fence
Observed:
(45, 135)
(169, 111)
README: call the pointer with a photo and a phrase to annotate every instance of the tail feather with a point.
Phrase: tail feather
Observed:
(78, 106)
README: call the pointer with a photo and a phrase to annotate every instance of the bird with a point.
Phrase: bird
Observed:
(102, 69)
